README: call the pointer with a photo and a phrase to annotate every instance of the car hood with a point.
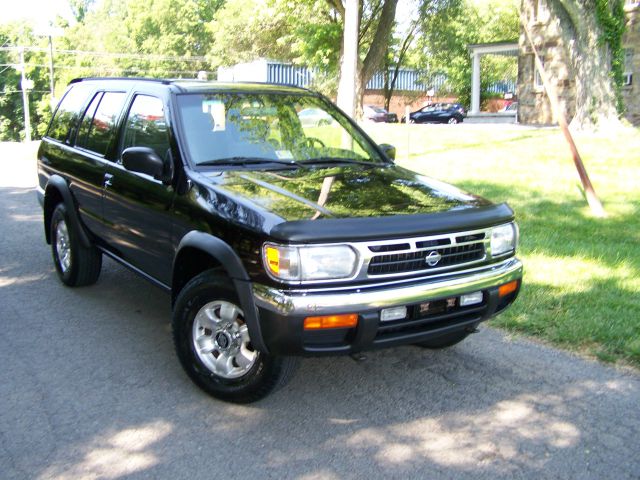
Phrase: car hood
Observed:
(345, 192)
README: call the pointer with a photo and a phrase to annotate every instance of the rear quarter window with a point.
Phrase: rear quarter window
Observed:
(68, 113)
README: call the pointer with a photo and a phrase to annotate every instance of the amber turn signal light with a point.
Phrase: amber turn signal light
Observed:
(273, 259)
(507, 288)
(349, 320)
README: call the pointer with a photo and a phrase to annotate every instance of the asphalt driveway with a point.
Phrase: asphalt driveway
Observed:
(90, 388)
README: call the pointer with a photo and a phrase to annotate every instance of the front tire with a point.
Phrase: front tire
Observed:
(453, 121)
(76, 264)
(213, 344)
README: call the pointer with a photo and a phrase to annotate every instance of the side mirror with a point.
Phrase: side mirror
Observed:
(388, 150)
(146, 160)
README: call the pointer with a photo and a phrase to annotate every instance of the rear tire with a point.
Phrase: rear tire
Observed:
(76, 264)
(213, 345)
(445, 341)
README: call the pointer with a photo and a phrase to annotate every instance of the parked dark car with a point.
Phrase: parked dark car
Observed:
(451, 113)
(273, 239)
(456, 106)
(378, 114)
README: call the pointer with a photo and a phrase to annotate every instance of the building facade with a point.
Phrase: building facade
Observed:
(534, 106)
(411, 90)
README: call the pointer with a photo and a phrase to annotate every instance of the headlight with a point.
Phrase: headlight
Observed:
(309, 262)
(503, 239)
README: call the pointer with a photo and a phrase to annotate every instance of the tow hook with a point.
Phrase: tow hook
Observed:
(358, 357)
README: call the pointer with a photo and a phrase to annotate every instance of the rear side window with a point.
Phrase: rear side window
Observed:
(146, 125)
(68, 113)
(102, 128)
(85, 125)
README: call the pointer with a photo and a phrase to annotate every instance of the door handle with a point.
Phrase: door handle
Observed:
(108, 180)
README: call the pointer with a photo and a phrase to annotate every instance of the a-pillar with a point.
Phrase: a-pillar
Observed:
(475, 83)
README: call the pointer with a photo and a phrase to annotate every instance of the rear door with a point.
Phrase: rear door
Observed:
(136, 206)
(59, 157)
(94, 141)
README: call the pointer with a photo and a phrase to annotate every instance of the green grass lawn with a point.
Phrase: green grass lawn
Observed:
(582, 274)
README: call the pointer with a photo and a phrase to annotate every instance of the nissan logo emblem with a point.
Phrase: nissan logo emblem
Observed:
(433, 258)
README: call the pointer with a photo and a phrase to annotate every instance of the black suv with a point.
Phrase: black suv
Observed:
(275, 237)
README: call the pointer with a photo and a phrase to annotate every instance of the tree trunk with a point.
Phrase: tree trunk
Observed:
(386, 88)
(361, 84)
(590, 63)
(390, 84)
(373, 59)
(348, 98)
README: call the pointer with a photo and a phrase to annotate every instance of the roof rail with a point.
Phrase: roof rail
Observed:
(173, 81)
(141, 79)
(290, 85)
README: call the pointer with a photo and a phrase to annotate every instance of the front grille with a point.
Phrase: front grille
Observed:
(450, 256)
(429, 256)
(389, 248)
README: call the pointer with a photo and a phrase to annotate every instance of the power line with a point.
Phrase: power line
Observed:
(102, 68)
(142, 56)
(11, 92)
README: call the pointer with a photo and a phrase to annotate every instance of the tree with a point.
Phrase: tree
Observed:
(80, 8)
(592, 33)
(305, 32)
(376, 23)
(447, 32)
(160, 37)
(13, 35)
(239, 34)
(395, 57)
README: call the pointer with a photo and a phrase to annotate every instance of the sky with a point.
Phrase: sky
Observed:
(40, 12)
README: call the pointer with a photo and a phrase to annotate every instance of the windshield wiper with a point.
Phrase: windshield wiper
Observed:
(321, 160)
(248, 161)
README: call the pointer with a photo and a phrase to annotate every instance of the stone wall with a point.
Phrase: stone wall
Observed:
(534, 106)
(631, 42)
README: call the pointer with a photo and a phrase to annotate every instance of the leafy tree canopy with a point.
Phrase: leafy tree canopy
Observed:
(448, 32)
(173, 38)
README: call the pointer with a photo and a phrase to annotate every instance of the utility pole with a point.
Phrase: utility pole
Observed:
(24, 84)
(347, 87)
(51, 70)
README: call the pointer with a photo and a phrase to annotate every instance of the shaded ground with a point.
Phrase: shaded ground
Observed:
(90, 388)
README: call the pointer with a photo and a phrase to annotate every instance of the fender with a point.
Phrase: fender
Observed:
(56, 182)
(229, 260)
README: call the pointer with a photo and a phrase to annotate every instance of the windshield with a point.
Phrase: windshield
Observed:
(231, 128)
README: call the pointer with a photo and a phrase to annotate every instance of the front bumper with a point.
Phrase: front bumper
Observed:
(282, 312)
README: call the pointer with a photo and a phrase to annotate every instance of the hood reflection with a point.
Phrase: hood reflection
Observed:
(348, 191)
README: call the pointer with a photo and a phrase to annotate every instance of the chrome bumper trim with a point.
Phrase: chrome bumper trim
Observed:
(290, 304)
